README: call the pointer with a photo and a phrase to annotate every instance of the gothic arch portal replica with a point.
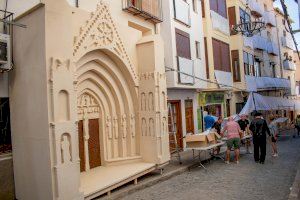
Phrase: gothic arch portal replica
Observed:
(106, 111)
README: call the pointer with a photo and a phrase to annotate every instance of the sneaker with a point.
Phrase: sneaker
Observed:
(227, 162)
(275, 155)
(237, 162)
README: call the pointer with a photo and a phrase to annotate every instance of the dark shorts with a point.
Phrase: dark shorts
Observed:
(233, 142)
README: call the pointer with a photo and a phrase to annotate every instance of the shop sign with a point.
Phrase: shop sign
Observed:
(214, 97)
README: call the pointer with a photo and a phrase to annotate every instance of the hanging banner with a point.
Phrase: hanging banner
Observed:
(201, 99)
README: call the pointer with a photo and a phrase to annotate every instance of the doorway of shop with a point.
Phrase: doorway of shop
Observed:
(189, 118)
(175, 111)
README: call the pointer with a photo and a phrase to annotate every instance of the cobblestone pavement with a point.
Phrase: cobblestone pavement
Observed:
(245, 181)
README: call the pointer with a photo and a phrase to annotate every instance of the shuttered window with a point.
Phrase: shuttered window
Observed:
(236, 65)
(219, 6)
(232, 19)
(206, 58)
(221, 55)
(203, 8)
(183, 44)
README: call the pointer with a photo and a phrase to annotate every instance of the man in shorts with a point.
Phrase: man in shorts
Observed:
(233, 139)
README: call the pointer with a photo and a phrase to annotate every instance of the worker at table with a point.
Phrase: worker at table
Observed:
(244, 124)
(217, 125)
(234, 139)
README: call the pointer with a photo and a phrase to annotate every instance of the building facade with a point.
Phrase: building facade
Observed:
(182, 33)
(88, 96)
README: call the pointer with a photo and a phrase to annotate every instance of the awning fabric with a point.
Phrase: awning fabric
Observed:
(254, 83)
(258, 102)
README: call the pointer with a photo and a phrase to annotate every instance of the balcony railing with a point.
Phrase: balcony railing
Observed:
(182, 11)
(149, 9)
(259, 43)
(256, 8)
(248, 42)
(272, 48)
(269, 18)
(289, 65)
(288, 42)
(219, 23)
(262, 83)
(186, 74)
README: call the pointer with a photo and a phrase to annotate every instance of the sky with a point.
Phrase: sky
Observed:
(293, 11)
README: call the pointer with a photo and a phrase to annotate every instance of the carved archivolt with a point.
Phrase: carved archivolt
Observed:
(100, 32)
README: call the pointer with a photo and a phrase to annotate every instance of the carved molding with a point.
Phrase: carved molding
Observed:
(87, 104)
(100, 32)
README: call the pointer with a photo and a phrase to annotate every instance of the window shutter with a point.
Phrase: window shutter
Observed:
(232, 19)
(206, 58)
(203, 8)
(214, 5)
(183, 44)
(217, 54)
(225, 54)
(236, 65)
(222, 8)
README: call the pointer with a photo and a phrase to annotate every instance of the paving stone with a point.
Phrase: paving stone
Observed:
(245, 181)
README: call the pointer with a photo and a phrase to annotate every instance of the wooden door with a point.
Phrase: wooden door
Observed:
(176, 112)
(81, 146)
(94, 143)
(189, 117)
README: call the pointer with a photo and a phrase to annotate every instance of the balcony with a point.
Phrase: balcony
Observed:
(259, 43)
(186, 74)
(289, 65)
(224, 79)
(256, 9)
(219, 23)
(182, 11)
(272, 48)
(148, 9)
(248, 42)
(269, 19)
(288, 42)
(263, 83)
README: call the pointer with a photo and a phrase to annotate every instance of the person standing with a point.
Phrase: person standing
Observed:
(244, 124)
(208, 121)
(259, 129)
(274, 134)
(217, 125)
(233, 139)
(298, 124)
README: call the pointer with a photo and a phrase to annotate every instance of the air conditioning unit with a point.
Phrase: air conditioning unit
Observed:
(5, 52)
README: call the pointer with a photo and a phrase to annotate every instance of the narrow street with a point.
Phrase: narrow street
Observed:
(247, 180)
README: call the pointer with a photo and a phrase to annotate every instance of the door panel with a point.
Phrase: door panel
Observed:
(94, 143)
(176, 112)
(81, 146)
(189, 118)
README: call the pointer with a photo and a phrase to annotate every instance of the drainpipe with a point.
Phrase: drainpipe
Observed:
(279, 46)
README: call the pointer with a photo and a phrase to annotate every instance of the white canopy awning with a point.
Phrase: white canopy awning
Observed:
(258, 102)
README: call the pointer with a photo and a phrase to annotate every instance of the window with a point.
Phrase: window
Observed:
(219, 6)
(273, 67)
(248, 63)
(206, 58)
(236, 65)
(232, 19)
(203, 8)
(183, 44)
(221, 55)
(198, 49)
(244, 16)
(257, 71)
(195, 5)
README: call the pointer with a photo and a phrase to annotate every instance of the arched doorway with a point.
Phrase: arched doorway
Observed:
(106, 112)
